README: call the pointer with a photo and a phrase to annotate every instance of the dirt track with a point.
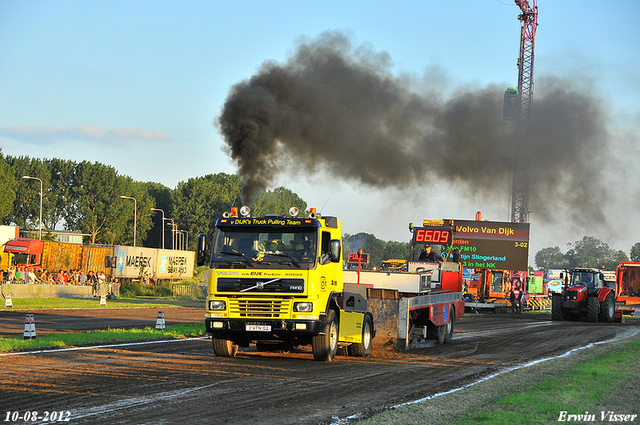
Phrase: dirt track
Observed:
(164, 383)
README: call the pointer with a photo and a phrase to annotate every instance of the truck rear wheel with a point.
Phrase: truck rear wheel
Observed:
(607, 309)
(364, 348)
(449, 326)
(556, 307)
(593, 307)
(325, 345)
(224, 347)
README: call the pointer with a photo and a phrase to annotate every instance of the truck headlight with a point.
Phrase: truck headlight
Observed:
(303, 307)
(217, 305)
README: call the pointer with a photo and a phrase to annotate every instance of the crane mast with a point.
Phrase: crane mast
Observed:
(520, 188)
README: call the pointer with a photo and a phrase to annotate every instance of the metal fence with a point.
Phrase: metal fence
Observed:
(190, 291)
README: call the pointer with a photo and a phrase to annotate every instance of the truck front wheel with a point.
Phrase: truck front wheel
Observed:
(363, 349)
(325, 345)
(224, 347)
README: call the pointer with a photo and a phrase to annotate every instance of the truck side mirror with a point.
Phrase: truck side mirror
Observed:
(201, 249)
(335, 251)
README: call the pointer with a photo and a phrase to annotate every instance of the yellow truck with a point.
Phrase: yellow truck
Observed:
(278, 282)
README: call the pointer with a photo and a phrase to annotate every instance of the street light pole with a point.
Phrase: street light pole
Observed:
(135, 216)
(162, 211)
(173, 233)
(186, 242)
(35, 178)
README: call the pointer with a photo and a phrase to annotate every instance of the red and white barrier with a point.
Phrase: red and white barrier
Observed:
(29, 327)
(160, 321)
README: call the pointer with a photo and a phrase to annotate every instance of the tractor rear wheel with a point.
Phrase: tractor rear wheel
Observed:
(607, 309)
(556, 307)
(593, 307)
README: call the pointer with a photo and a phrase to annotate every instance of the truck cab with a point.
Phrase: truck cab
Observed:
(277, 282)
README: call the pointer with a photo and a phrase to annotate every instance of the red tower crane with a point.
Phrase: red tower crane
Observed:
(520, 189)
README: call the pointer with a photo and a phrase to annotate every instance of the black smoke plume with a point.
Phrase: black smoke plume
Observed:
(336, 108)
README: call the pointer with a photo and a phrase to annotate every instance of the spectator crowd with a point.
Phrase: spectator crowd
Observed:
(29, 275)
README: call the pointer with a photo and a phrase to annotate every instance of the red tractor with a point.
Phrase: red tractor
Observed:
(584, 296)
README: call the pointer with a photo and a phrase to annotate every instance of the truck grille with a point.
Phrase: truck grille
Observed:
(259, 308)
(253, 285)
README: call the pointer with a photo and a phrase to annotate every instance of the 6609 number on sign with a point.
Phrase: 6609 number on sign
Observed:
(64, 416)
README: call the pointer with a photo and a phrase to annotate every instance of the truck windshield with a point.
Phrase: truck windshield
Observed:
(264, 248)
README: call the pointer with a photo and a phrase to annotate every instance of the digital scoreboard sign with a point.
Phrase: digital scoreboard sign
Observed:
(492, 244)
(432, 235)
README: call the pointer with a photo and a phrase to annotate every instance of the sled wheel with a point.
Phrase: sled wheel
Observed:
(449, 326)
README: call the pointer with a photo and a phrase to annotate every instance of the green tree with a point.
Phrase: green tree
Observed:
(397, 250)
(200, 201)
(635, 252)
(550, 258)
(98, 209)
(278, 201)
(26, 208)
(60, 202)
(369, 245)
(7, 191)
(615, 258)
(592, 252)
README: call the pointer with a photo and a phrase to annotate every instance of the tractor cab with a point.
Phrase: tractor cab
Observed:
(591, 279)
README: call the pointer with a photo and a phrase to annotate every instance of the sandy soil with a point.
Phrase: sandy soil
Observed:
(169, 382)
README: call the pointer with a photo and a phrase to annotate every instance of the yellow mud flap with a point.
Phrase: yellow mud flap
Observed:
(351, 326)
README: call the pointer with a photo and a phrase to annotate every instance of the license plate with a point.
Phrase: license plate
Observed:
(259, 328)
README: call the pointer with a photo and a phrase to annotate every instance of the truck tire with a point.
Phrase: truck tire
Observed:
(593, 307)
(441, 333)
(449, 326)
(607, 309)
(224, 347)
(364, 348)
(325, 345)
(556, 307)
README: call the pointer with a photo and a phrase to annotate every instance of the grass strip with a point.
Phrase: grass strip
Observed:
(136, 302)
(50, 340)
(576, 392)
(604, 378)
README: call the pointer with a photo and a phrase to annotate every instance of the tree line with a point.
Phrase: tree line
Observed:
(85, 197)
(586, 252)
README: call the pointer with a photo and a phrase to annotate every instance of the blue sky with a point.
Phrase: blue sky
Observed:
(138, 84)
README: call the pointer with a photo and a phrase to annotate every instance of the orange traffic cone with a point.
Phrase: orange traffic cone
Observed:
(160, 321)
(29, 327)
